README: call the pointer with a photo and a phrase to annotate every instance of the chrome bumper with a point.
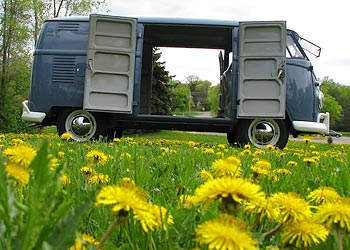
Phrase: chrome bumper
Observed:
(29, 116)
(321, 126)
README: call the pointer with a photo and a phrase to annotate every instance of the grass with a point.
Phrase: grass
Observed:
(59, 195)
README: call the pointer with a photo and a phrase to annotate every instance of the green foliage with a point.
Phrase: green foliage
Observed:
(213, 98)
(162, 89)
(338, 104)
(40, 215)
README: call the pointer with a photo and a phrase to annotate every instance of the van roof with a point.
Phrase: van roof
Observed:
(158, 20)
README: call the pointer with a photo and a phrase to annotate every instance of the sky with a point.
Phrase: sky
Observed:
(324, 23)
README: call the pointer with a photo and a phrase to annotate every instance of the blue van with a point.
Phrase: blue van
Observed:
(92, 76)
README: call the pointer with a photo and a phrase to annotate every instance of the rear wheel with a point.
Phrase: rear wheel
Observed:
(262, 132)
(81, 124)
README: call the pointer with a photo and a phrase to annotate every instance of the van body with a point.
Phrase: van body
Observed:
(92, 76)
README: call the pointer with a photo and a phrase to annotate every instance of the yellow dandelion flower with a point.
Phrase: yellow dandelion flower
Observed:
(258, 152)
(334, 214)
(304, 234)
(208, 151)
(230, 166)
(117, 140)
(54, 162)
(225, 232)
(247, 146)
(245, 152)
(123, 197)
(22, 154)
(309, 160)
(222, 146)
(292, 207)
(61, 154)
(164, 150)
(324, 194)
(97, 157)
(87, 170)
(264, 208)
(66, 136)
(19, 173)
(282, 171)
(186, 201)
(232, 190)
(220, 154)
(124, 156)
(292, 164)
(98, 178)
(270, 148)
(65, 180)
(173, 151)
(81, 242)
(155, 217)
(206, 175)
(307, 139)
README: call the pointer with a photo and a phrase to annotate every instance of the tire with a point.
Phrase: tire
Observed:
(262, 132)
(81, 124)
(114, 133)
(232, 137)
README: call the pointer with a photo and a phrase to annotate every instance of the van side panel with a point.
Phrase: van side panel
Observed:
(59, 72)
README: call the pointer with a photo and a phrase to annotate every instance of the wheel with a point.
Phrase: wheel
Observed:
(232, 137)
(81, 124)
(262, 132)
(114, 133)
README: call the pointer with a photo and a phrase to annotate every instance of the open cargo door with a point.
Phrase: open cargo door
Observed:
(109, 78)
(262, 65)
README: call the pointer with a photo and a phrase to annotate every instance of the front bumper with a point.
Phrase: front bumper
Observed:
(29, 116)
(321, 126)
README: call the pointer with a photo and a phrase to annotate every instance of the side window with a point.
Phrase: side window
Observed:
(292, 50)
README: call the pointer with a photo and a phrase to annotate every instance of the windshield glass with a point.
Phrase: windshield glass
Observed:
(292, 50)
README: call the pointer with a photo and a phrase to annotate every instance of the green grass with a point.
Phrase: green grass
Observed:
(165, 164)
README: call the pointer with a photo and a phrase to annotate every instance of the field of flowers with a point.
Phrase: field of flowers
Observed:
(142, 193)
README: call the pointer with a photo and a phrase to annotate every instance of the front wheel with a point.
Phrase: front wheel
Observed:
(262, 132)
(81, 124)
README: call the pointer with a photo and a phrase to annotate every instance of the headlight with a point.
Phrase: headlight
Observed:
(320, 99)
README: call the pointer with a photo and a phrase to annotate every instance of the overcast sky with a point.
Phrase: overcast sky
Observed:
(325, 23)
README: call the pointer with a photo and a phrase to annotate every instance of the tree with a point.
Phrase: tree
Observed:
(341, 95)
(213, 98)
(162, 88)
(181, 99)
(18, 31)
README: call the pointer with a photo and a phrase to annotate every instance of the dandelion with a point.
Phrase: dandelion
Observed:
(304, 234)
(334, 214)
(206, 175)
(123, 197)
(233, 191)
(97, 157)
(186, 201)
(66, 136)
(261, 167)
(292, 207)
(292, 164)
(164, 150)
(270, 148)
(22, 154)
(125, 155)
(324, 194)
(310, 160)
(208, 151)
(87, 170)
(61, 154)
(225, 232)
(230, 166)
(81, 242)
(282, 171)
(98, 178)
(19, 173)
(117, 140)
(65, 180)
(265, 208)
(155, 217)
